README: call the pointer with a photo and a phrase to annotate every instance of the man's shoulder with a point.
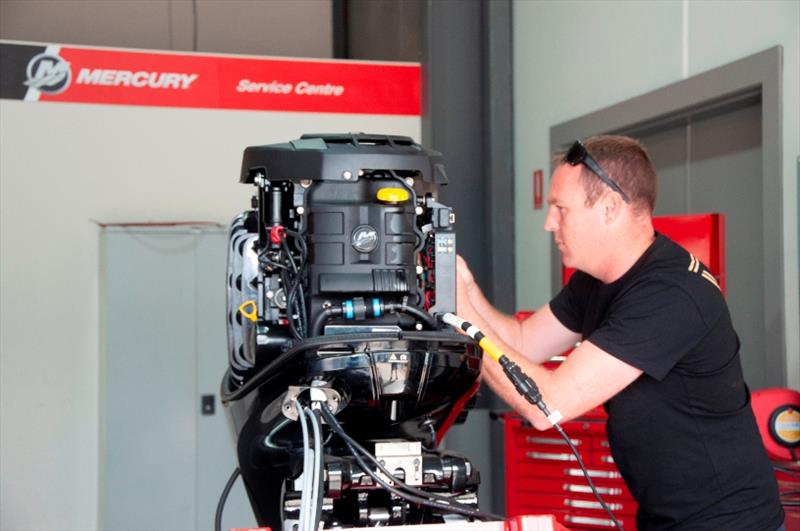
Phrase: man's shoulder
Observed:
(672, 273)
(673, 264)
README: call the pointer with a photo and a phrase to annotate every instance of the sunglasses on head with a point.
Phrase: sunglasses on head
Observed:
(577, 154)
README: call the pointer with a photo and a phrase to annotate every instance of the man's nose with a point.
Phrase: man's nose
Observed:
(550, 223)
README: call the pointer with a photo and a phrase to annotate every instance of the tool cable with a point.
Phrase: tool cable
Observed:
(526, 387)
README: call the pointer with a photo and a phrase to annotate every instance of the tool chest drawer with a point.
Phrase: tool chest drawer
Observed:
(542, 474)
(608, 489)
(550, 442)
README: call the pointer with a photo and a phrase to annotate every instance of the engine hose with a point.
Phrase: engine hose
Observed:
(423, 316)
(322, 317)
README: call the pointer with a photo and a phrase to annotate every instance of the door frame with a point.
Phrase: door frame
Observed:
(736, 84)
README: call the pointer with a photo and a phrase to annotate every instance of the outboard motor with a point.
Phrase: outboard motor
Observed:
(342, 379)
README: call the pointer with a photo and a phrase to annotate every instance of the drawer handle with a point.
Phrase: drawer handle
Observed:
(548, 440)
(551, 456)
(585, 504)
(588, 520)
(607, 474)
(607, 459)
(585, 489)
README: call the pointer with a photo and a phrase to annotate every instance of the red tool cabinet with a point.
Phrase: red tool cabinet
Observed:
(542, 474)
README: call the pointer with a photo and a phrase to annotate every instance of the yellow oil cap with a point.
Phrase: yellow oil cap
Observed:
(393, 195)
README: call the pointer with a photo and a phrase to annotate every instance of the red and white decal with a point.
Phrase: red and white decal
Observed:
(92, 75)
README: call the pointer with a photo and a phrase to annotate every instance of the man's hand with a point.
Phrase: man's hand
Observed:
(464, 274)
(464, 282)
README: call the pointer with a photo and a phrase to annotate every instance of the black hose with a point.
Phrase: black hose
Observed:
(321, 318)
(423, 316)
(409, 493)
(290, 310)
(223, 497)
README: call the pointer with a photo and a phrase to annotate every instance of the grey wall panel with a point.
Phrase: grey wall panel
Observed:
(163, 298)
(453, 120)
(668, 149)
(128, 23)
(274, 27)
(467, 82)
(148, 378)
(369, 36)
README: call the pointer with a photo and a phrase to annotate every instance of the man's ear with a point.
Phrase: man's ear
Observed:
(612, 206)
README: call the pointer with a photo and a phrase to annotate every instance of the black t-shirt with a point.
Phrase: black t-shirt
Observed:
(683, 434)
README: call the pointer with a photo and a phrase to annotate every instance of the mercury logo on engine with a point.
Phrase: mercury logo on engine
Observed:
(364, 239)
(48, 73)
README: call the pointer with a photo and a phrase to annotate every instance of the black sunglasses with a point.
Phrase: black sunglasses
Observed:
(577, 154)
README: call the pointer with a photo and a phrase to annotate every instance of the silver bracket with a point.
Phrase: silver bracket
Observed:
(405, 456)
(318, 394)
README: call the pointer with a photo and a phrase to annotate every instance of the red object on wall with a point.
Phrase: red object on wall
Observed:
(703, 235)
(538, 189)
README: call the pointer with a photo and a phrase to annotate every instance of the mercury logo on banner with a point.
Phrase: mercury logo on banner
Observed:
(48, 73)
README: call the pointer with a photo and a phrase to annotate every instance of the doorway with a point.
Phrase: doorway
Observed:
(715, 140)
(166, 447)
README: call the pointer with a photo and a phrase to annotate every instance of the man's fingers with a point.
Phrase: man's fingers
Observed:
(463, 269)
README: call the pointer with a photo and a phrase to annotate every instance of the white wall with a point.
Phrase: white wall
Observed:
(577, 56)
(63, 166)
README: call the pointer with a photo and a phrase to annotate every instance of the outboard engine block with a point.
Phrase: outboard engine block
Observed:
(335, 281)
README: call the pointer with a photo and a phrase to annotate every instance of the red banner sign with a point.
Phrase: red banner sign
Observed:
(92, 75)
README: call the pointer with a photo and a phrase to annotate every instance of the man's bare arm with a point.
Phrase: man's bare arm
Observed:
(539, 337)
(543, 336)
(588, 378)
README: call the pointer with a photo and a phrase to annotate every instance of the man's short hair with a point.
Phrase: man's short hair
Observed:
(626, 161)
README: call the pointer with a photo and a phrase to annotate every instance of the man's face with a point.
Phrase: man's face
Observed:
(577, 228)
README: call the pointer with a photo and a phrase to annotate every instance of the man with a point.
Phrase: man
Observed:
(657, 349)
